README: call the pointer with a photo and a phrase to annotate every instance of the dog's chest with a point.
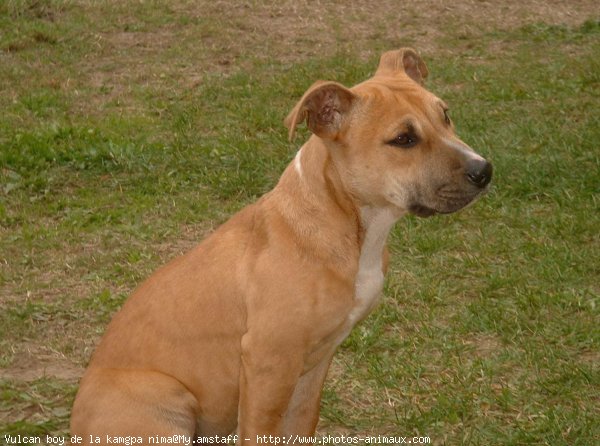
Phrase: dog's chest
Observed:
(369, 279)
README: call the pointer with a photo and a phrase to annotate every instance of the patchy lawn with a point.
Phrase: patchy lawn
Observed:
(129, 130)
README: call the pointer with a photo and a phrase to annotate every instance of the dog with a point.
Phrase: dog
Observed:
(237, 335)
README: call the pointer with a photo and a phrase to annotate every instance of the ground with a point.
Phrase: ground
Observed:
(105, 176)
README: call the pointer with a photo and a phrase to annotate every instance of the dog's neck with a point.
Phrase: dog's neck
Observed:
(313, 200)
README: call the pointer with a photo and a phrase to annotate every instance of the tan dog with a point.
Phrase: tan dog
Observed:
(239, 332)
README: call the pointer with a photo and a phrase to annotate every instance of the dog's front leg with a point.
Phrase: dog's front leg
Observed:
(269, 374)
(303, 412)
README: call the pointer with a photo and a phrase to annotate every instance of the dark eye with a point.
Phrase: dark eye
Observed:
(446, 116)
(404, 140)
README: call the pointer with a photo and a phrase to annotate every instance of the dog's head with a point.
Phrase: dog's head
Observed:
(392, 141)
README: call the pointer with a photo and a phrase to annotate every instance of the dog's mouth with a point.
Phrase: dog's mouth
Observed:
(422, 211)
(444, 203)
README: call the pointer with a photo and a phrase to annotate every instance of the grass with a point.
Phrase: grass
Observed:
(114, 160)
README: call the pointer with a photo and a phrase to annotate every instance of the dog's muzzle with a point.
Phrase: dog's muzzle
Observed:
(451, 197)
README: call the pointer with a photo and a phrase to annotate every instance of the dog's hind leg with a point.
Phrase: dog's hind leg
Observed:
(132, 403)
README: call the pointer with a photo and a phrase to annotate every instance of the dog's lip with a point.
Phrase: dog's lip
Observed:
(422, 211)
(448, 192)
(452, 204)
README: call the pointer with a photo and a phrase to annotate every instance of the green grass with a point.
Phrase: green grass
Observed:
(489, 331)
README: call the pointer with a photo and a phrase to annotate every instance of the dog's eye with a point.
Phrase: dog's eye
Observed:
(404, 140)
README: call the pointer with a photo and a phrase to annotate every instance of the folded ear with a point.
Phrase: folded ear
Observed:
(404, 60)
(324, 106)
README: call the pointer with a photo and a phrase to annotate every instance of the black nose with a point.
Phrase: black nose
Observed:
(479, 172)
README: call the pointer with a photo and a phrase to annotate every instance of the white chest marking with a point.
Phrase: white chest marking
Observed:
(369, 280)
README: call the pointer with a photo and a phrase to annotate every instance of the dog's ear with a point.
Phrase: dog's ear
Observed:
(324, 106)
(404, 60)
